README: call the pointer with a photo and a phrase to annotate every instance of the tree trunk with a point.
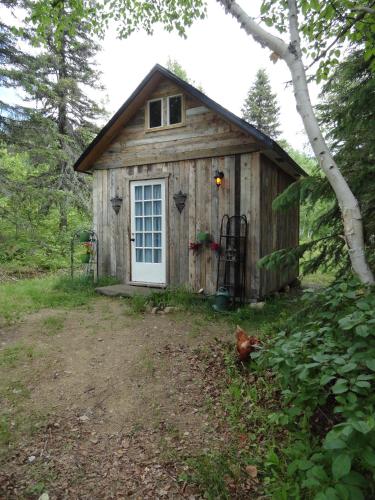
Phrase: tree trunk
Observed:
(351, 214)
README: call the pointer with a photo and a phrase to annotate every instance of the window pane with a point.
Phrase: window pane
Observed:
(155, 113)
(138, 239)
(157, 223)
(138, 224)
(157, 191)
(148, 223)
(157, 256)
(139, 255)
(148, 193)
(148, 208)
(148, 255)
(138, 208)
(148, 239)
(157, 239)
(157, 207)
(138, 192)
(175, 112)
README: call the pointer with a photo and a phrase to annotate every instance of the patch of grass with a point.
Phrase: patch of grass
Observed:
(12, 355)
(17, 299)
(53, 325)
(214, 472)
(17, 424)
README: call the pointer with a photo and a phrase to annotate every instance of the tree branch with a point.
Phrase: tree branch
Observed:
(248, 24)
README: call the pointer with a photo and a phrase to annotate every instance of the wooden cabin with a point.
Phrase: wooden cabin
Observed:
(167, 139)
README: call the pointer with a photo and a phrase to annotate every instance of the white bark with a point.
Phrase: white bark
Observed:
(291, 54)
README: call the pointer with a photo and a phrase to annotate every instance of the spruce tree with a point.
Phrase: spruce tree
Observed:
(61, 116)
(261, 108)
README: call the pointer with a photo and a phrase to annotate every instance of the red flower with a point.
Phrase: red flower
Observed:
(195, 246)
(215, 246)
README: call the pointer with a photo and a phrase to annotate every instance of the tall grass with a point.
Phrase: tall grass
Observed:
(25, 296)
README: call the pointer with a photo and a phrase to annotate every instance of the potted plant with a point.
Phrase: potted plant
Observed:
(84, 236)
(203, 237)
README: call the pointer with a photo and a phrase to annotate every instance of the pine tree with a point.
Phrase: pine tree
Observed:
(14, 63)
(61, 117)
(261, 108)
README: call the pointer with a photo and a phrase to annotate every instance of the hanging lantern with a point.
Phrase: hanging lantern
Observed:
(219, 176)
(116, 203)
(179, 199)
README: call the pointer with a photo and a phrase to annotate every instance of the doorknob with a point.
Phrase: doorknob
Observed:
(132, 239)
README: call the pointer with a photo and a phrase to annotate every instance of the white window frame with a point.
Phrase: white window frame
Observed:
(182, 110)
(148, 113)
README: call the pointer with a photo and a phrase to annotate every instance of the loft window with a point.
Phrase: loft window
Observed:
(174, 109)
(155, 113)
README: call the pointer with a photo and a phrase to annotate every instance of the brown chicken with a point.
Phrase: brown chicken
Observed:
(245, 344)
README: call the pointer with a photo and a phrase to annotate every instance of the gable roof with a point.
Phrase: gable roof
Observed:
(141, 93)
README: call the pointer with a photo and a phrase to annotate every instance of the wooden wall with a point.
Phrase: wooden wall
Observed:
(203, 135)
(187, 156)
(204, 209)
(279, 229)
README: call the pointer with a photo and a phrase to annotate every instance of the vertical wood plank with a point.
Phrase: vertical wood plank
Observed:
(255, 186)
(245, 210)
(192, 222)
(95, 200)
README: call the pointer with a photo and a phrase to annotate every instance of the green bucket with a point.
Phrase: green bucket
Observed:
(222, 300)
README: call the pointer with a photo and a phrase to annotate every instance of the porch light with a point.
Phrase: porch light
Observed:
(116, 203)
(218, 178)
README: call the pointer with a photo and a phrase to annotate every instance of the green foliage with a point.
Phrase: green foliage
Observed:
(325, 367)
(130, 16)
(327, 28)
(29, 231)
(175, 67)
(260, 107)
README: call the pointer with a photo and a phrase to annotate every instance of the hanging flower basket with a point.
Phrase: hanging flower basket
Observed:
(215, 247)
(84, 236)
(195, 246)
(203, 237)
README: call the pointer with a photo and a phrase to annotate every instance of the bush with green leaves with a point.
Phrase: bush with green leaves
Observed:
(325, 366)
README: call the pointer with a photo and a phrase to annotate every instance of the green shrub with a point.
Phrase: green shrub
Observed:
(324, 361)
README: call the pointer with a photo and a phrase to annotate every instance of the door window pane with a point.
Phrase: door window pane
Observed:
(157, 223)
(148, 193)
(138, 208)
(139, 255)
(175, 109)
(138, 224)
(157, 256)
(138, 192)
(154, 110)
(157, 207)
(148, 239)
(157, 191)
(148, 255)
(157, 239)
(148, 208)
(148, 223)
(138, 239)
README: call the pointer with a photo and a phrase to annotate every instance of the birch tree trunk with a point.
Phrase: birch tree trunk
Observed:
(292, 55)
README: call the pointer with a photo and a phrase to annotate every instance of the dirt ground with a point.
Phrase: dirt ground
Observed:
(107, 404)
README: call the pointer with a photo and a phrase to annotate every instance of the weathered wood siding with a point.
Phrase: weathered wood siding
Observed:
(203, 135)
(278, 229)
(187, 157)
(204, 209)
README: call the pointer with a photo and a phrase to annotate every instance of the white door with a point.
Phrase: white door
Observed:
(148, 231)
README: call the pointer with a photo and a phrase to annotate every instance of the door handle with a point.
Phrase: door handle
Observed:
(132, 239)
